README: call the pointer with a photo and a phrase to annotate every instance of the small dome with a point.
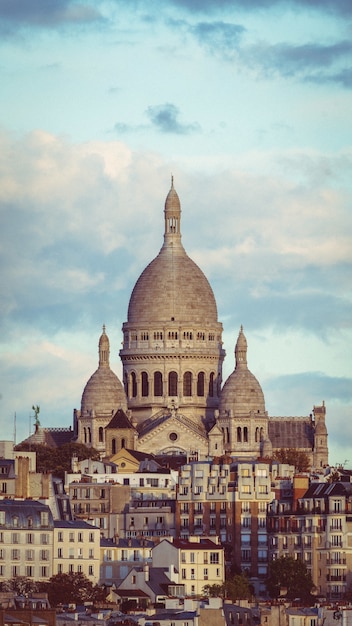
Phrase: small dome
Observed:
(172, 287)
(103, 393)
(242, 393)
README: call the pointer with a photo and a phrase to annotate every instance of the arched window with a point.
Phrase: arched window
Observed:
(262, 434)
(113, 446)
(134, 385)
(187, 384)
(89, 435)
(123, 443)
(126, 384)
(85, 435)
(200, 384)
(145, 385)
(173, 383)
(245, 434)
(227, 435)
(158, 384)
(218, 386)
(256, 435)
(101, 434)
(239, 433)
(211, 385)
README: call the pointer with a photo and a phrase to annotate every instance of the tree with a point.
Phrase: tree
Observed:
(292, 456)
(58, 460)
(21, 585)
(235, 588)
(69, 588)
(291, 575)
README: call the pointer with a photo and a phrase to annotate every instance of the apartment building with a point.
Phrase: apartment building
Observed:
(76, 548)
(26, 539)
(229, 500)
(199, 561)
(316, 526)
(119, 556)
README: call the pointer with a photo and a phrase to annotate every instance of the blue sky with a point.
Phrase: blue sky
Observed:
(248, 105)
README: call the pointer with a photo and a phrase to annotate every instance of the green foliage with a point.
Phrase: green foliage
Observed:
(235, 588)
(58, 460)
(291, 575)
(20, 585)
(292, 456)
(72, 588)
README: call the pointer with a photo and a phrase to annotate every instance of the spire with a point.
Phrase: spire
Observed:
(172, 213)
(104, 349)
(241, 349)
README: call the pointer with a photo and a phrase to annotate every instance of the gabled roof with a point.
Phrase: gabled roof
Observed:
(178, 419)
(120, 420)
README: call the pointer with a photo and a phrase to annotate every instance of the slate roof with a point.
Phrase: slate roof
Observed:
(120, 420)
(291, 432)
(51, 437)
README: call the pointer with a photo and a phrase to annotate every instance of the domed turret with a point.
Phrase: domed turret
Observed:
(242, 393)
(103, 395)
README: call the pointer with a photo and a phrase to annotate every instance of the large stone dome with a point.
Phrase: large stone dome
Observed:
(242, 393)
(103, 393)
(172, 287)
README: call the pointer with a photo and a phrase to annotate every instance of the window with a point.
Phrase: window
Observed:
(134, 384)
(59, 553)
(91, 537)
(15, 538)
(145, 385)
(2, 518)
(44, 518)
(90, 570)
(30, 538)
(80, 537)
(44, 539)
(205, 573)
(44, 555)
(200, 384)
(187, 384)
(15, 554)
(211, 385)
(158, 384)
(133, 579)
(183, 573)
(214, 557)
(29, 571)
(173, 379)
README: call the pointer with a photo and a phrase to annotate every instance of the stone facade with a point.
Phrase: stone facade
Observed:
(171, 401)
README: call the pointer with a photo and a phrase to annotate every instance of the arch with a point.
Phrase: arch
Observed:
(125, 382)
(173, 383)
(85, 435)
(145, 385)
(123, 443)
(211, 385)
(187, 384)
(256, 437)
(239, 434)
(158, 384)
(134, 384)
(245, 434)
(89, 434)
(262, 434)
(200, 384)
(101, 434)
(113, 446)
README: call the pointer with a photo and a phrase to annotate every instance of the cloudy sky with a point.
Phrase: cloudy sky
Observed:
(248, 104)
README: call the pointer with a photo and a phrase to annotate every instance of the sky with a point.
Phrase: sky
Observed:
(248, 104)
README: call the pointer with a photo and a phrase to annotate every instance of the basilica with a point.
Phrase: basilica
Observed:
(171, 399)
